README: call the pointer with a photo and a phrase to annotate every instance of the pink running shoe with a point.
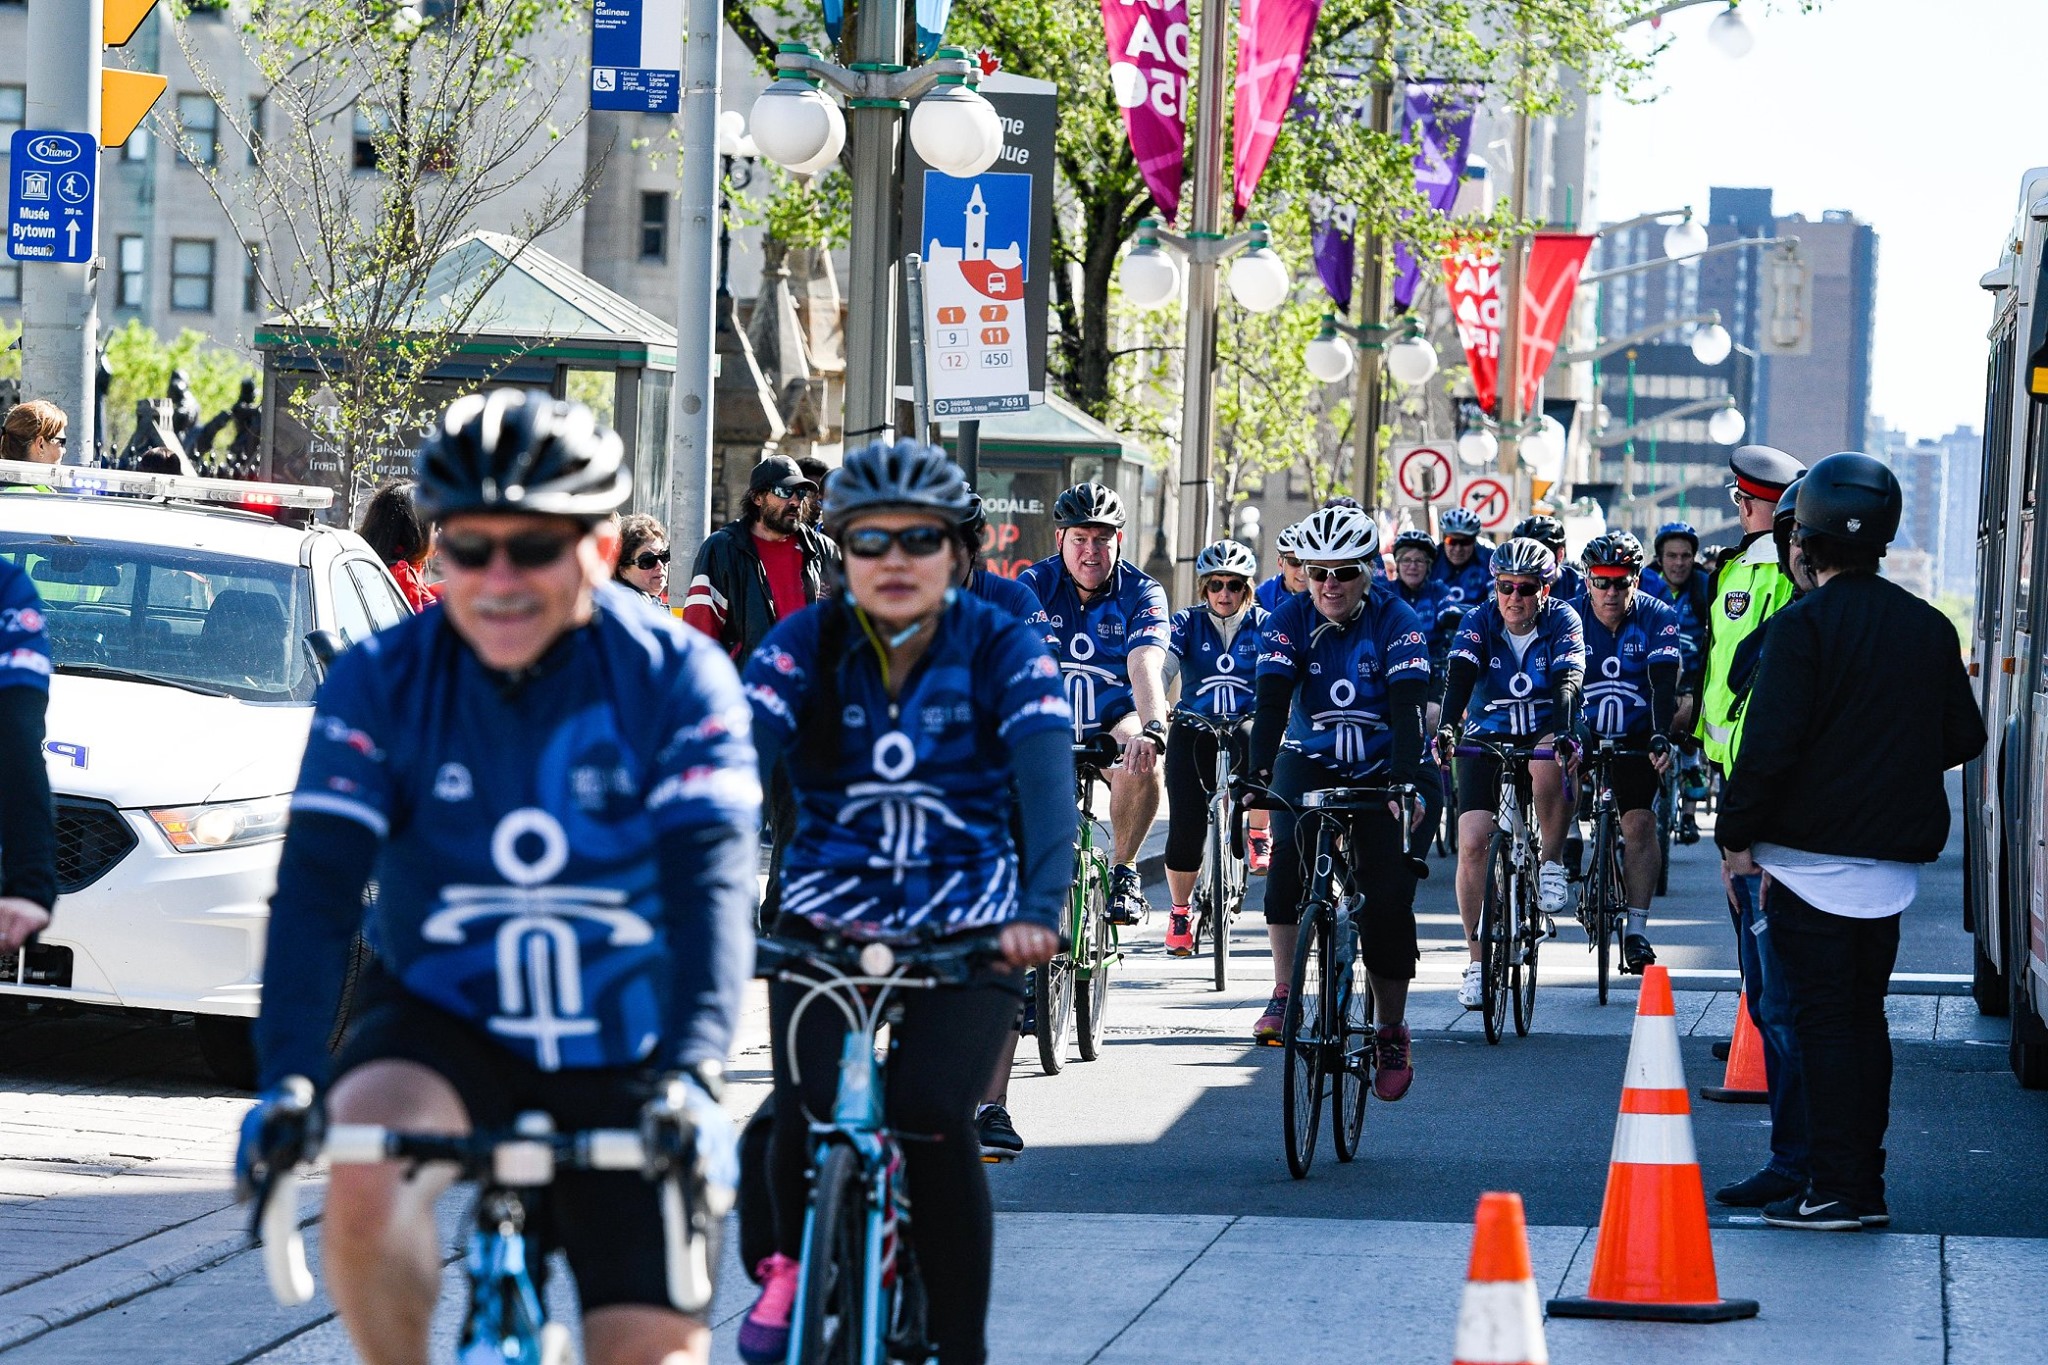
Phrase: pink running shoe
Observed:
(1393, 1067)
(764, 1333)
(1258, 848)
(1180, 933)
(1273, 1023)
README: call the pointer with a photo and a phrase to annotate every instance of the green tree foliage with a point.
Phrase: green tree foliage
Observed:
(142, 362)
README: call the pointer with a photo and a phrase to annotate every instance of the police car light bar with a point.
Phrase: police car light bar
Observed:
(71, 478)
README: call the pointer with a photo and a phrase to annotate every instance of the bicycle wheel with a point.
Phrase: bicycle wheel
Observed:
(1597, 895)
(1091, 992)
(1217, 877)
(1301, 1086)
(1494, 914)
(1054, 988)
(1529, 920)
(1350, 1014)
(830, 1290)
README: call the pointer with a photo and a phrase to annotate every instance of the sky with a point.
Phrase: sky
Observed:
(1900, 111)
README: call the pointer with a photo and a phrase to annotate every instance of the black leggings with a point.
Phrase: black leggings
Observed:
(1379, 868)
(940, 1059)
(1190, 766)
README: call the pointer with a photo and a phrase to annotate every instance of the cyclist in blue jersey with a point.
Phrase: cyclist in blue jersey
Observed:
(1414, 556)
(28, 823)
(1342, 684)
(1676, 579)
(1548, 532)
(921, 726)
(1007, 593)
(1463, 564)
(1630, 696)
(1106, 623)
(1287, 579)
(552, 784)
(1214, 650)
(1514, 675)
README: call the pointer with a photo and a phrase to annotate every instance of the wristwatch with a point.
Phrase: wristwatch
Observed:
(1156, 732)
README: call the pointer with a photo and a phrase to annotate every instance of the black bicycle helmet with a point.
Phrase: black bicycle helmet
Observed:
(1459, 521)
(1088, 504)
(514, 451)
(975, 518)
(1523, 556)
(1676, 530)
(1788, 503)
(1548, 530)
(1851, 497)
(1415, 540)
(1615, 550)
(905, 476)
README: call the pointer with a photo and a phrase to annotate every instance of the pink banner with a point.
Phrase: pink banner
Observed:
(1272, 39)
(1550, 282)
(1472, 280)
(1149, 62)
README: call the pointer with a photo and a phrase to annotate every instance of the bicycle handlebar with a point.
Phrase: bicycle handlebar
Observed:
(949, 962)
(1215, 725)
(1098, 752)
(1504, 752)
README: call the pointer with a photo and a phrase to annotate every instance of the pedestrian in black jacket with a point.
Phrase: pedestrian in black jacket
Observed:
(770, 564)
(1859, 707)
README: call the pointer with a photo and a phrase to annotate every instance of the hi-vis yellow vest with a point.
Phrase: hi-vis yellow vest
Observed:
(1748, 589)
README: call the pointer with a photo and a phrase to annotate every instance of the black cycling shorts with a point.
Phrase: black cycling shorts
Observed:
(1636, 784)
(1190, 770)
(608, 1223)
(1478, 780)
(1379, 868)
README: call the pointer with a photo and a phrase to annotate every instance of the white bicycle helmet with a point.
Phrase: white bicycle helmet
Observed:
(1337, 534)
(1457, 521)
(1288, 541)
(1525, 557)
(1227, 556)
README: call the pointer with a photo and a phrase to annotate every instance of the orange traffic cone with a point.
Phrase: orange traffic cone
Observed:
(1743, 1082)
(1497, 1321)
(1654, 1258)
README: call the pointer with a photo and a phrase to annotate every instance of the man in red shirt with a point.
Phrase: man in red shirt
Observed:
(769, 564)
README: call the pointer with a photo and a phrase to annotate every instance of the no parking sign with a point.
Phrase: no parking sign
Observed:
(1423, 474)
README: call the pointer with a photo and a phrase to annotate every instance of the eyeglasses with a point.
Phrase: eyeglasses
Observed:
(792, 491)
(526, 550)
(872, 542)
(1738, 497)
(1230, 585)
(1317, 573)
(1608, 582)
(1507, 589)
(647, 559)
(1289, 561)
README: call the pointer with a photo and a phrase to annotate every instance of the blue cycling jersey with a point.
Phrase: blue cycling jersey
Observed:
(1342, 672)
(1007, 593)
(1616, 696)
(1426, 601)
(1570, 585)
(1468, 586)
(24, 634)
(1093, 641)
(517, 881)
(1272, 594)
(1692, 623)
(1217, 679)
(1511, 698)
(907, 829)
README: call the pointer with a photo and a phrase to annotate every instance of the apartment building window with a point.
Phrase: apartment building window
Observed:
(13, 108)
(130, 292)
(136, 149)
(199, 121)
(653, 227)
(255, 127)
(10, 283)
(371, 123)
(192, 275)
(252, 280)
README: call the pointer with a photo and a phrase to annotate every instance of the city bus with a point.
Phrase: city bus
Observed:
(2005, 816)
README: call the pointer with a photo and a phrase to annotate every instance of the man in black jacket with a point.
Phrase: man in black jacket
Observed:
(769, 564)
(1860, 705)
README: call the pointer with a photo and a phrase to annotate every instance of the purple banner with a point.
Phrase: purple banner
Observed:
(1438, 119)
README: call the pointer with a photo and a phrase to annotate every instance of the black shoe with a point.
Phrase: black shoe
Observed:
(1637, 953)
(999, 1139)
(1765, 1187)
(1879, 1217)
(1688, 833)
(1813, 1215)
(1126, 897)
(1720, 1050)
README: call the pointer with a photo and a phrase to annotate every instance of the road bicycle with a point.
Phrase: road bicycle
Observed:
(506, 1322)
(860, 1296)
(1327, 1026)
(1669, 798)
(1220, 887)
(1511, 928)
(1603, 905)
(1073, 988)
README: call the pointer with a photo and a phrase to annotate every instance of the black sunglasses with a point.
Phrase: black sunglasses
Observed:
(1517, 589)
(1224, 585)
(919, 542)
(526, 550)
(647, 559)
(1318, 573)
(1608, 582)
(791, 491)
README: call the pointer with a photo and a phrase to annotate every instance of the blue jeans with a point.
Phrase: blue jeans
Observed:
(1770, 1009)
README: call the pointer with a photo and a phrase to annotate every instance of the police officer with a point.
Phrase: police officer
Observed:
(1860, 705)
(28, 823)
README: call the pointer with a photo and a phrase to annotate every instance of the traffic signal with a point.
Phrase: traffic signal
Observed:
(1787, 301)
(125, 96)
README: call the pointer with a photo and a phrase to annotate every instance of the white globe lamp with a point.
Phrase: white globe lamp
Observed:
(1411, 361)
(1711, 344)
(954, 129)
(1329, 357)
(1729, 35)
(1149, 275)
(1258, 277)
(1726, 426)
(1683, 241)
(798, 126)
(1478, 447)
(1543, 450)
(732, 132)
(1602, 415)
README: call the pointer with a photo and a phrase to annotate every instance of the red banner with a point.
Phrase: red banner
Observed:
(1272, 39)
(1472, 276)
(1149, 62)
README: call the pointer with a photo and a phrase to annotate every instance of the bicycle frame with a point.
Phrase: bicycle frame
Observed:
(1518, 847)
(1221, 882)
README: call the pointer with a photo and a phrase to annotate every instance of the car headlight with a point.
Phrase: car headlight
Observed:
(224, 824)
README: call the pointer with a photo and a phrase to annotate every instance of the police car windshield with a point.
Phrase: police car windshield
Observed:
(187, 618)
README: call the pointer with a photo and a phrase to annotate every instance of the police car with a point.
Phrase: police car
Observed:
(188, 632)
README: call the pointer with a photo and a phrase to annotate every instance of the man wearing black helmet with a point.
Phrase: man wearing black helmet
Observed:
(1107, 624)
(541, 738)
(1859, 705)
(1548, 532)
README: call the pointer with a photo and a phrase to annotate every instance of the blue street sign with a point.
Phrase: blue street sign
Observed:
(53, 185)
(636, 56)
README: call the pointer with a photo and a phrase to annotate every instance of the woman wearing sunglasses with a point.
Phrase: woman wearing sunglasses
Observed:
(921, 725)
(1341, 686)
(643, 557)
(1514, 674)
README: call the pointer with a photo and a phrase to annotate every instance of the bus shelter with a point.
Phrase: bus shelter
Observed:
(1027, 459)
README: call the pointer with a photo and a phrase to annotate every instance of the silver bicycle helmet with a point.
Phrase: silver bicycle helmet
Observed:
(1457, 521)
(1523, 556)
(1227, 556)
(905, 476)
(512, 451)
(1089, 504)
(1415, 540)
(1336, 534)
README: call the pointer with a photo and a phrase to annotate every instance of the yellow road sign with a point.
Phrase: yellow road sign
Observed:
(122, 18)
(125, 98)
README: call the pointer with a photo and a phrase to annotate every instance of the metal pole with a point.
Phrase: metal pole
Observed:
(1198, 414)
(688, 512)
(873, 127)
(970, 449)
(1371, 391)
(59, 324)
(1511, 316)
(920, 382)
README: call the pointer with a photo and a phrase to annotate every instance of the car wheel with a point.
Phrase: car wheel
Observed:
(227, 1049)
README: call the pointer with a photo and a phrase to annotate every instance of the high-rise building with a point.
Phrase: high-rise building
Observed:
(1962, 469)
(1818, 403)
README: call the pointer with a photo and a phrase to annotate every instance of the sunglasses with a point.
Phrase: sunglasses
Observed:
(1229, 585)
(791, 491)
(59, 440)
(872, 542)
(1517, 589)
(647, 559)
(526, 550)
(1319, 574)
(1608, 582)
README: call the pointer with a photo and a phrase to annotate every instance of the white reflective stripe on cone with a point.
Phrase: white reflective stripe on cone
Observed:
(1654, 1140)
(1653, 1062)
(1498, 1324)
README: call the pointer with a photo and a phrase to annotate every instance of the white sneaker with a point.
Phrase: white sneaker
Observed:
(1472, 990)
(1553, 892)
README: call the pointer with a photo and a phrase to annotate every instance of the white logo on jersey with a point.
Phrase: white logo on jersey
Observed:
(1609, 698)
(907, 808)
(540, 964)
(1352, 724)
(1082, 680)
(453, 783)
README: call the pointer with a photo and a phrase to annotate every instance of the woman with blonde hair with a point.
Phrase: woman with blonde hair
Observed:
(34, 431)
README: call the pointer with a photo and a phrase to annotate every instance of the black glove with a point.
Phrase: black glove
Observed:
(281, 1132)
